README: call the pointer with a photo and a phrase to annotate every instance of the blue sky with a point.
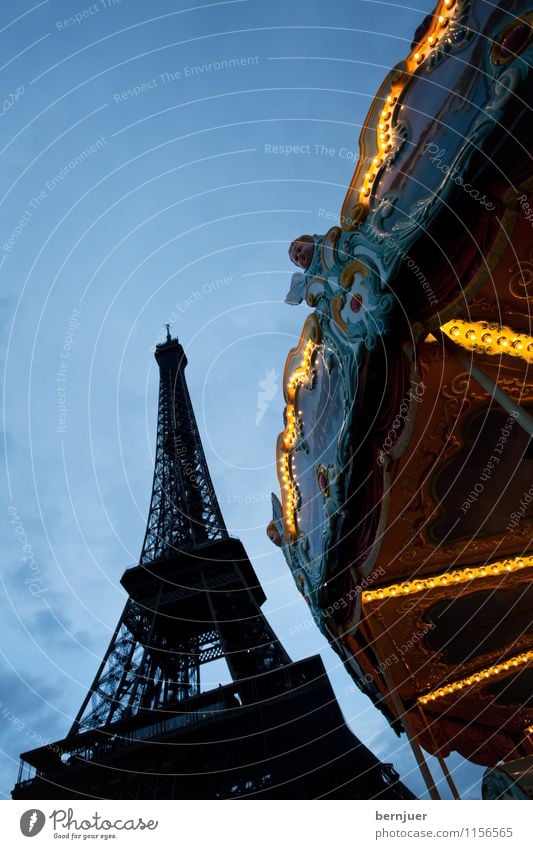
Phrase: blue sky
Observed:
(146, 178)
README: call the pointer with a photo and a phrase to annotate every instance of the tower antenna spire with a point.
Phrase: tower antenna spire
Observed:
(168, 332)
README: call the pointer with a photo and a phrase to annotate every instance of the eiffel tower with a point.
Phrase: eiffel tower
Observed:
(145, 729)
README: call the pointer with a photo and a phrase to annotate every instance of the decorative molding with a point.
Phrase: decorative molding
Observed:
(521, 279)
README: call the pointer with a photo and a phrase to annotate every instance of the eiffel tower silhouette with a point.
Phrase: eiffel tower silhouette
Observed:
(145, 729)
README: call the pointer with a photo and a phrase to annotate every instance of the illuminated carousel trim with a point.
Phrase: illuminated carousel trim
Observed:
(447, 579)
(380, 144)
(479, 677)
(487, 338)
(298, 372)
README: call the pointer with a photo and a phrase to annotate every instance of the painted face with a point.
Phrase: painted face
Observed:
(301, 254)
(273, 534)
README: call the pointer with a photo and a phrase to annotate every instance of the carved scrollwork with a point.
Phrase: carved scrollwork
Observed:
(521, 279)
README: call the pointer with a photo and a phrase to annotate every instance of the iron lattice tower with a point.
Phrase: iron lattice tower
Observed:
(145, 729)
(184, 509)
(150, 667)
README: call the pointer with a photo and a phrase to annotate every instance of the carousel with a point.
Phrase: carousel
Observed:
(406, 462)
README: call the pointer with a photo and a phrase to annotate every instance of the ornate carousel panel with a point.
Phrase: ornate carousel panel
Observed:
(406, 462)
